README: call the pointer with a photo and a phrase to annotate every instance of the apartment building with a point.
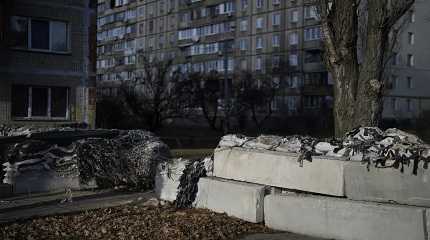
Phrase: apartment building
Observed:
(47, 71)
(280, 39)
(408, 93)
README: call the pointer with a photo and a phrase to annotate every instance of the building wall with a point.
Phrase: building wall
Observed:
(408, 94)
(48, 69)
(159, 23)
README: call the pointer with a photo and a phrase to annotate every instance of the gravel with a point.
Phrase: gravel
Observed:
(133, 222)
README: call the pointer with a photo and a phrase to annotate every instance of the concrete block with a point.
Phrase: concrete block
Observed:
(337, 218)
(387, 184)
(238, 199)
(167, 179)
(324, 176)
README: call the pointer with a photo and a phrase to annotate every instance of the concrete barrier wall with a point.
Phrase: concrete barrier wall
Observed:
(281, 170)
(238, 199)
(383, 185)
(344, 219)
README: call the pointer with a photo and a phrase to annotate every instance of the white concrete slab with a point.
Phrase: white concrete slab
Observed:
(322, 175)
(238, 199)
(387, 184)
(337, 218)
(167, 179)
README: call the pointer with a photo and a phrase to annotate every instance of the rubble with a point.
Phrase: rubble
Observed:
(391, 148)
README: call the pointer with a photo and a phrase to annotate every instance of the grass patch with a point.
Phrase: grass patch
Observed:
(192, 153)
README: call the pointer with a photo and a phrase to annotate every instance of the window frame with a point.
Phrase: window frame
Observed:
(50, 50)
(49, 116)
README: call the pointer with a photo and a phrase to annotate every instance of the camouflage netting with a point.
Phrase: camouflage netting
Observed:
(391, 148)
(127, 158)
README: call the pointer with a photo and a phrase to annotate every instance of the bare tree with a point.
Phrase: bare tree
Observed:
(157, 93)
(255, 96)
(207, 96)
(357, 41)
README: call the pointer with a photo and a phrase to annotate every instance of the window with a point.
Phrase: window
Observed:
(312, 101)
(40, 102)
(313, 33)
(313, 56)
(258, 64)
(294, 38)
(396, 58)
(259, 42)
(394, 81)
(276, 40)
(243, 44)
(311, 12)
(276, 19)
(293, 82)
(244, 4)
(276, 61)
(411, 38)
(411, 60)
(19, 29)
(40, 34)
(294, 16)
(259, 3)
(410, 82)
(293, 60)
(394, 104)
(276, 2)
(411, 16)
(243, 25)
(259, 23)
(410, 105)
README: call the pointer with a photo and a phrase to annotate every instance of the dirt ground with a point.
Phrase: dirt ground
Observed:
(133, 222)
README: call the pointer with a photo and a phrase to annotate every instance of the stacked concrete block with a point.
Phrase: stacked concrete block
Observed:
(323, 176)
(338, 218)
(387, 185)
(238, 199)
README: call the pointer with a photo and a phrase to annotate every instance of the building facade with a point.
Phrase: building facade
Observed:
(277, 38)
(408, 90)
(280, 39)
(47, 71)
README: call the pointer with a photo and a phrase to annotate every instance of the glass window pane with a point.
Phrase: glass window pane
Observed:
(19, 101)
(40, 34)
(39, 107)
(59, 36)
(19, 29)
(58, 102)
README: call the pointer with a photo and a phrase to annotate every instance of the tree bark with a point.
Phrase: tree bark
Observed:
(356, 37)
